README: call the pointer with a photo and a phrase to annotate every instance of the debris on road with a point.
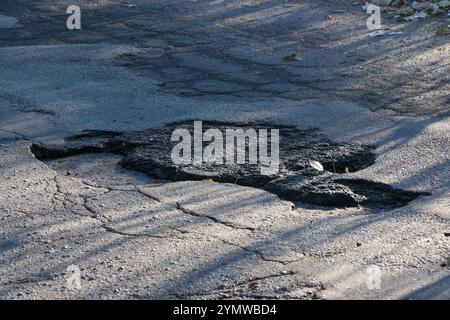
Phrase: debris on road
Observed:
(316, 165)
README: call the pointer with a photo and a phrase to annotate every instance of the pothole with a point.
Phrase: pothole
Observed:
(149, 151)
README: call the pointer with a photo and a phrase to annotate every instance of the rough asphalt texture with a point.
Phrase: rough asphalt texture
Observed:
(143, 66)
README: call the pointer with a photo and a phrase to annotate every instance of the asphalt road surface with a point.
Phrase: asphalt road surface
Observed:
(138, 65)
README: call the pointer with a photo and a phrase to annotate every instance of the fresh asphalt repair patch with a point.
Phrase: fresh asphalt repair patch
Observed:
(149, 152)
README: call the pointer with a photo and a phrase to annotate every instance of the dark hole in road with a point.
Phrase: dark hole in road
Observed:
(149, 151)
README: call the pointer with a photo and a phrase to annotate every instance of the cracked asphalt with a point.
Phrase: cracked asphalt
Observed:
(143, 66)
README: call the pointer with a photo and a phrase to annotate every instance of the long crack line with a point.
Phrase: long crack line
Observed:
(214, 219)
(179, 207)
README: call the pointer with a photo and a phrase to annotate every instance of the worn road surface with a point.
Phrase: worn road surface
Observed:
(138, 65)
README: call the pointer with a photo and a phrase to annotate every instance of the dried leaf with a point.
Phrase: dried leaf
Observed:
(292, 57)
(316, 165)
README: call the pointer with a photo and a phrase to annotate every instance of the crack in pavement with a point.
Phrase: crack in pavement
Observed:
(47, 277)
(260, 254)
(105, 223)
(244, 287)
(23, 137)
(104, 220)
(22, 105)
(179, 207)
(214, 219)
